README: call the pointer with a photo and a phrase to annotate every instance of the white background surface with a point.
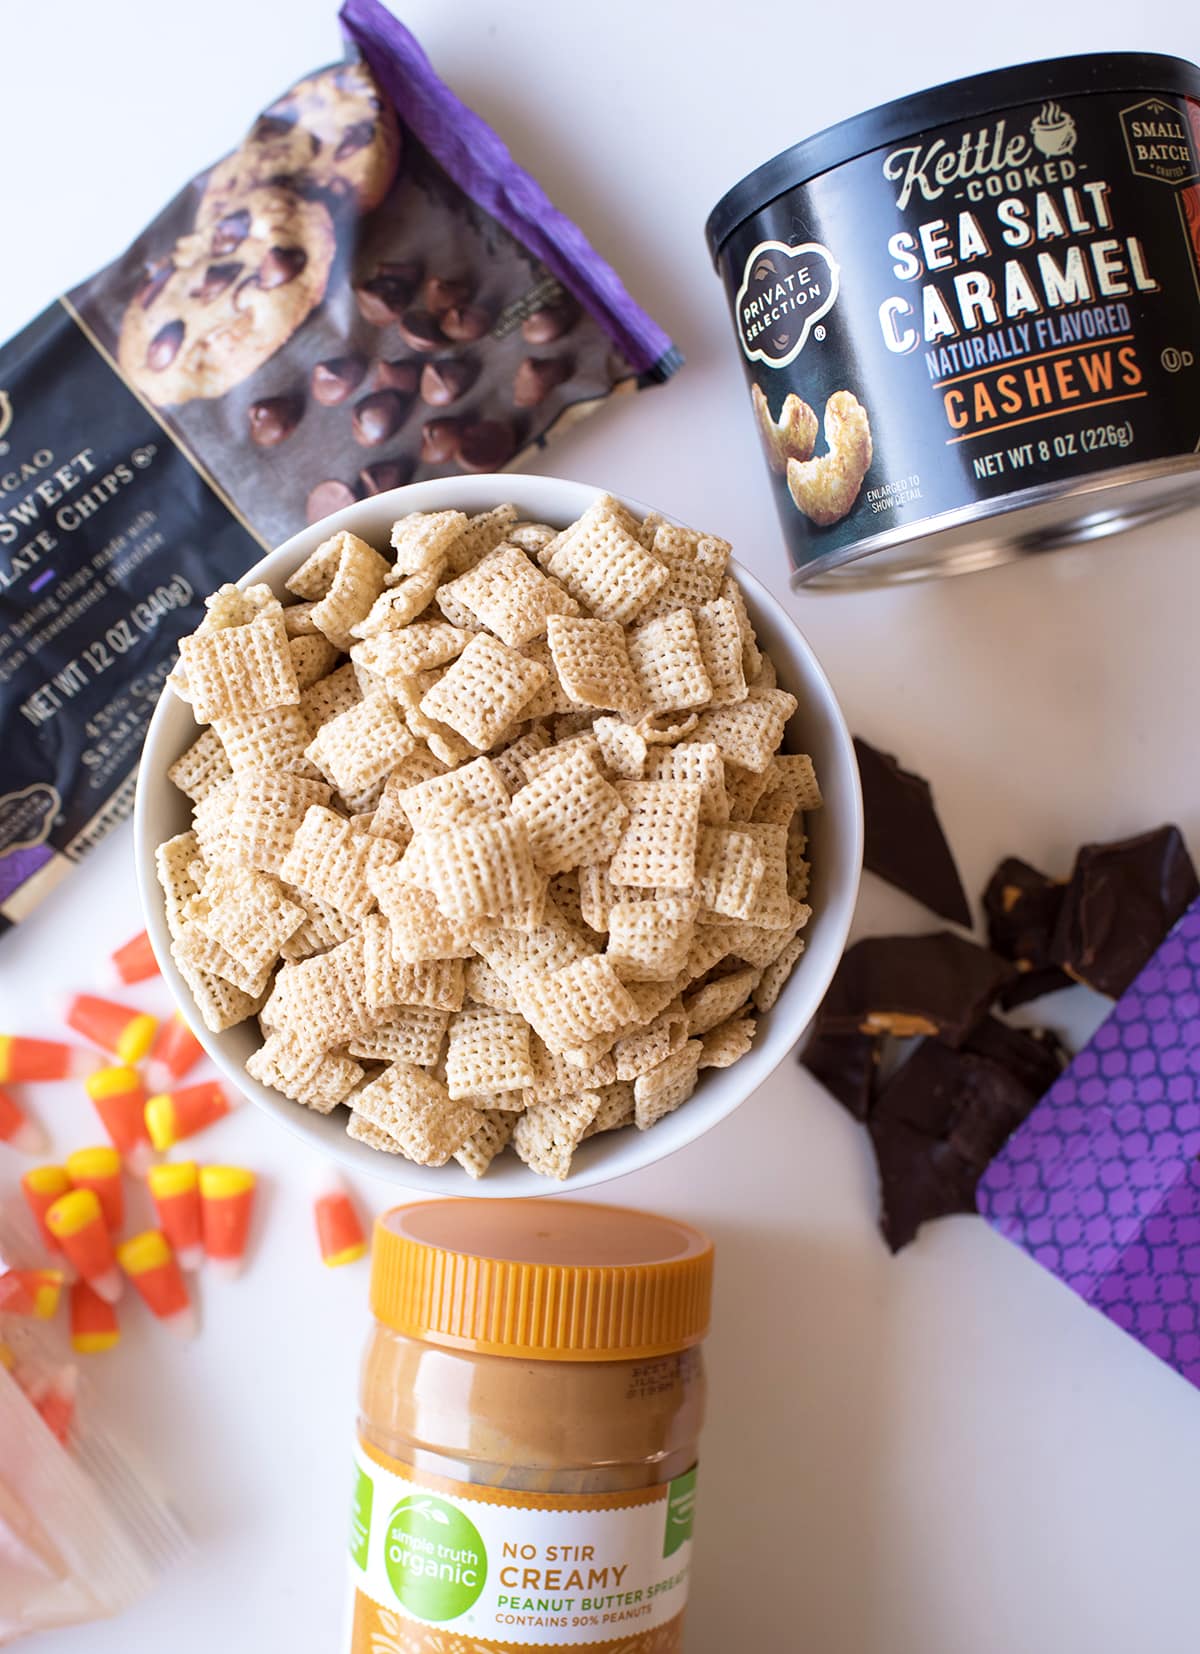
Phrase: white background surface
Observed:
(931, 1455)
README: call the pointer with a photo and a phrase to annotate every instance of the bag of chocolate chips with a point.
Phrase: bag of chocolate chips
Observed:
(367, 291)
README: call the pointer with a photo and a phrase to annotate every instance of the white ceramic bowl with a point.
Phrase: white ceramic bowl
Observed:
(836, 849)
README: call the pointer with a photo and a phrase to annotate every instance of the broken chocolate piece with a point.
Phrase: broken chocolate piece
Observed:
(846, 1065)
(905, 985)
(1035, 1056)
(905, 843)
(936, 1126)
(1021, 906)
(1122, 900)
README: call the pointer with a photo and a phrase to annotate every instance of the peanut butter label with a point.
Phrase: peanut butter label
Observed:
(443, 1567)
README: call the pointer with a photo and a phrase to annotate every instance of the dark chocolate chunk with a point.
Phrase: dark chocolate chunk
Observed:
(164, 347)
(328, 497)
(378, 417)
(1121, 901)
(486, 445)
(356, 136)
(537, 376)
(439, 441)
(398, 376)
(338, 378)
(905, 843)
(385, 474)
(846, 1065)
(281, 265)
(444, 382)
(420, 331)
(550, 323)
(1021, 907)
(230, 232)
(154, 279)
(216, 279)
(464, 323)
(439, 295)
(273, 419)
(1035, 1056)
(936, 1125)
(904, 985)
(383, 298)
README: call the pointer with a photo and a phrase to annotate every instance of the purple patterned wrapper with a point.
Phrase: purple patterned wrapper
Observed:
(479, 163)
(1101, 1184)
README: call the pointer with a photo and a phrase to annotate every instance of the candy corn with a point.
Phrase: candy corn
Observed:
(152, 1267)
(17, 1129)
(32, 1292)
(175, 1052)
(175, 1189)
(94, 1325)
(42, 1059)
(127, 1033)
(41, 1186)
(226, 1201)
(76, 1220)
(119, 1098)
(339, 1229)
(135, 960)
(173, 1115)
(100, 1169)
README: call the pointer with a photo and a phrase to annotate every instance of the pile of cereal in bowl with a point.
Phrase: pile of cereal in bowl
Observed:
(518, 868)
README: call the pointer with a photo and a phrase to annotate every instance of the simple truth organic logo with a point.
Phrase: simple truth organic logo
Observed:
(435, 1558)
(784, 293)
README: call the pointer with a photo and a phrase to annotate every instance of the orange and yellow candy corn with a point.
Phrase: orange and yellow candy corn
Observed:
(134, 960)
(17, 1129)
(100, 1169)
(76, 1220)
(119, 1098)
(339, 1228)
(175, 1052)
(226, 1202)
(94, 1326)
(127, 1033)
(42, 1059)
(173, 1115)
(175, 1189)
(154, 1270)
(31, 1292)
(41, 1186)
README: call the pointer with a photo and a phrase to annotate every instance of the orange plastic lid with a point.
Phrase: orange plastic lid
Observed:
(550, 1280)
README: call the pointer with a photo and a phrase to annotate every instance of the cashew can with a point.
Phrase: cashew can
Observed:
(532, 1395)
(970, 319)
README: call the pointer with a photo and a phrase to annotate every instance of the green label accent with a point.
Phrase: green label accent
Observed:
(681, 1512)
(435, 1558)
(360, 1516)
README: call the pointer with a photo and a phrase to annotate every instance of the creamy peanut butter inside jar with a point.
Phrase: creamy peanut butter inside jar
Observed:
(532, 1396)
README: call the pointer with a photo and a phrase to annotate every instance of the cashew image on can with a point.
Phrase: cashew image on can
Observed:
(825, 488)
(792, 436)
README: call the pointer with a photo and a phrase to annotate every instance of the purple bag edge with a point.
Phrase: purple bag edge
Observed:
(479, 162)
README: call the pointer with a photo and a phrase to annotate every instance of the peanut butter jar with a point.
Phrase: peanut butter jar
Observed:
(531, 1403)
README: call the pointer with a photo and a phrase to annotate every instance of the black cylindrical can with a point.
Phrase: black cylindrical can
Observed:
(970, 319)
